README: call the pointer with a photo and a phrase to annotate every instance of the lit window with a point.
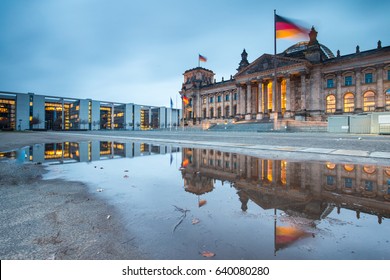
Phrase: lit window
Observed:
(369, 101)
(348, 81)
(330, 104)
(368, 78)
(227, 111)
(349, 102)
(369, 169)
(329, 83)
(330, 165)
(387, 100)
(349, 167)
(219, 112)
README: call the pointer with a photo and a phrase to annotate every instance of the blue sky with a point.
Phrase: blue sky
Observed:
(136, 51)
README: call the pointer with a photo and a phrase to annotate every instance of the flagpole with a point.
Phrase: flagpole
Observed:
(170, 117)
(274, 93)
(177, 112)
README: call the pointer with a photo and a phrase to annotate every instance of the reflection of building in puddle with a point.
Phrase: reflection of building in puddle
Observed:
(69, 152)
(306, 189)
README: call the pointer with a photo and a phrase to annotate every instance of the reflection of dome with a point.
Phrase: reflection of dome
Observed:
(298, 49)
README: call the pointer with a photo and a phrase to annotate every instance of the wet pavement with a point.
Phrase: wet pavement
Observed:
(180, 202)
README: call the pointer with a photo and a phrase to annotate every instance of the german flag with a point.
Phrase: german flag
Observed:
(202, 58)
(185, 100)
(286, 28)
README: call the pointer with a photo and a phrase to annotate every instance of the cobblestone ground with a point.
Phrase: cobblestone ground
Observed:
(369, 143)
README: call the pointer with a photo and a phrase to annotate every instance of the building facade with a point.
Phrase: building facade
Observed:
(305, 82)
(20, 111)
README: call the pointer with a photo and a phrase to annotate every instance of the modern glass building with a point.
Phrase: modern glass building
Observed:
(21, 111)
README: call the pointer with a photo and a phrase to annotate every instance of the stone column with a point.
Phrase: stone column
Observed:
(380, 100)
(207, 106)
(274, 98)
(358, 91)
(215, 106)
(260, 100)
(240, 101)
(303, 91)
(231, 93)
(339, 96)
(279, 98)
(265, 94)
(248, 101)
(223, 105)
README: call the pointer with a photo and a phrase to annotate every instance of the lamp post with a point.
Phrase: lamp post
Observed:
(20, 124)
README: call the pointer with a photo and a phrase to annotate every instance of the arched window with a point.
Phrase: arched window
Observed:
(227, 111)
(204, 113)
(330, 104)
(349, 102)
(369, 101)
(234, 110)
(349, 167)
(269, 91)
(283, 102)
(211, 112)
(219, 112)
(387, 100)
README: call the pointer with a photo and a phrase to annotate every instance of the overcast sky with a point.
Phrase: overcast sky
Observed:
(136, 51)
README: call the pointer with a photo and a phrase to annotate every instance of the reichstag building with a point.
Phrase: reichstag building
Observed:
(312, 83)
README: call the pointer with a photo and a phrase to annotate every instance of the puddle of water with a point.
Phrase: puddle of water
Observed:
(181, 202)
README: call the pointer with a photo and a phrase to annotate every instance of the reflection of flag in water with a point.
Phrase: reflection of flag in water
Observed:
(285, 236)
(171, 159)
(171, 103)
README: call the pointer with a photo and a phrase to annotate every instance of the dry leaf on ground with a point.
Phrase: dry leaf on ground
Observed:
(208, 254)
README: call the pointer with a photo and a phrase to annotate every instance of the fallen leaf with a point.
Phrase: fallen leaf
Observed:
(195, 221)
(126, 170)
(99, 190)
(126, 176)
(108, 216)
(208, 254)
(202, 202)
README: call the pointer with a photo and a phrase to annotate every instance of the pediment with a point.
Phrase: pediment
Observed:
(265, 63)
